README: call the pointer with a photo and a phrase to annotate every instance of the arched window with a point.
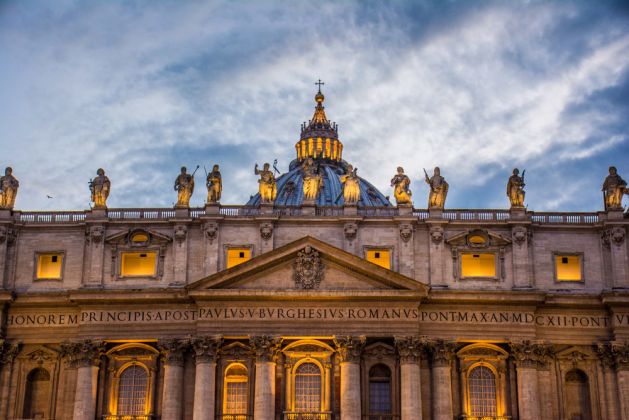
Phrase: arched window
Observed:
(133, 391)
(308, 388)
(578, 395)
(37, 397)
(235, 392)
(380, 390)
(482, 391)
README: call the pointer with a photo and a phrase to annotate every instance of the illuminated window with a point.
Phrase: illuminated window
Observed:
(139, 238)
(49, 265)
(379, 390)
(482, 392)
(237, 256)
(382, 257)
(478, 265)
(568, 268)
(138, 264)
(308, 388)
(235, 392)
(132, 391)
(476, 239)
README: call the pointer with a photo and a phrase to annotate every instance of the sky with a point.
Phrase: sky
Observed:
(141, 88)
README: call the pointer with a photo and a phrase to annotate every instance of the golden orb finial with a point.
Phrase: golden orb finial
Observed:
(319, 98)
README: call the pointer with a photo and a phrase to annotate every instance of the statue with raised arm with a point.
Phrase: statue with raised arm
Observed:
(8, 189)
(100, 187)
(184, 185)
(438, 189)
(515, 188)
(401, 191)
(351, 185)
(214, 185)
(614, 188)
(312, 180)
(267, 186)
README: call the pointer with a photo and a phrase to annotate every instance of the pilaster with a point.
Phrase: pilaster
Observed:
(95, 243)
(265, 349)
(521, 261)
(527, 356)
(173, 359)
(180, 248)
(211, 235)
(610, 391)
(8, 352)
(410, 350)
(441, 354)
(406, 246)
(614, 239)
(350, 350)
(85, 356)
(620, 352)
(205, 351)
(436, 242)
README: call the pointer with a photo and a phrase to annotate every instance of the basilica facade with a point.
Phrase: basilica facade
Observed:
(318, 299)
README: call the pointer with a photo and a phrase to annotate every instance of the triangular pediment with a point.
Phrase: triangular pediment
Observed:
(309, 266)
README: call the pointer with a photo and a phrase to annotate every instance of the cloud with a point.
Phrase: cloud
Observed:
(141, 89)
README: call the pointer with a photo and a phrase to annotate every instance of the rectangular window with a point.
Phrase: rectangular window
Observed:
(568, 268)
(382, 257)
(49, 265)
(237, 256)
(478, 265)
(138, 264)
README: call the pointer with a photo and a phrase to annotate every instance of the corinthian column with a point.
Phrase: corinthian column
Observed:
(265, 348)
(8, 351)
(526, 356)
(610, 393)
(441, 353)
(621, 359)
(349, 351)
(205, 353)
(409, 349)
(172, 397)
(85, 355)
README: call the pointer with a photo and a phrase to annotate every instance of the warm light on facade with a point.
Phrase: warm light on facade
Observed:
(237, 256)
(381, 257)
(138, 264)
(478, 265)
(568, 268)
(49, 266)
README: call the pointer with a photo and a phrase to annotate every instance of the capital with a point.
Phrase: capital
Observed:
(206, 349)
(605, 355)
(172, 350)
(350, 348)
(621, 355)
(265, 347)
(528, 354)
(441, 351)
(410, 349)
(8, 351)
(83, 353)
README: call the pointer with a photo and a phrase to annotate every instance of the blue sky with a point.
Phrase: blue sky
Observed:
(476, 87)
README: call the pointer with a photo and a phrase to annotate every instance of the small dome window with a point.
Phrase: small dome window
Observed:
(139, 238)
(477, 240)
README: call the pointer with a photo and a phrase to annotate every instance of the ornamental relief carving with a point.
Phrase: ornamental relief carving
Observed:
(308, 269)
(350, 348)
(350, 230)
(266, 231)
(211, 231)
(406, 232)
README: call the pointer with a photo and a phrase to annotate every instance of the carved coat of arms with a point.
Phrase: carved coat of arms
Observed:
(308, 269)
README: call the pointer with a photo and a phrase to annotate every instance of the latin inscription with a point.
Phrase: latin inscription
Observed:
(313, 314)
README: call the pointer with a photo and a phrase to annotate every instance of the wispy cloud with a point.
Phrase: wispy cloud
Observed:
(141, 89)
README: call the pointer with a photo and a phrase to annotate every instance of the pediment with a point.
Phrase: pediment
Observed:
(125, 238)
(309, 266)
(487, 239)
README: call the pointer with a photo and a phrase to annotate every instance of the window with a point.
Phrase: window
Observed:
(237, 256)
(132, 391)
(235, 392)
(49, 265)
(478, 265)
(138, 264)
(578, 395)
(139, 238)
(482, 391)
(37, 397)
(379, 390)
(308, 388)
(568, 268)
(381, 257)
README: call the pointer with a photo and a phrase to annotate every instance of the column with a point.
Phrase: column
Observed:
(525, 354)
(441, 353)
(409, 349)
(350, 351)
(205, 353)
(8, 353)
(522, 277)
(610, 390)
(265, 348)
(548, 397)
(621, 359)
(172, 397)
(85, 355)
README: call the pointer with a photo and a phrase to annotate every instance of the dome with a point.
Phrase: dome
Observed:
(320, 143)
(290, 188)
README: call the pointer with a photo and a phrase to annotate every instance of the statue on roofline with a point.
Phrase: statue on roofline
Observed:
(312, 180)
(184, 185)
(614, 188)
(214, 185)
(100, 188)
(438, 189)
(401, 191)
(351, 185)
(8, 189)
(515, 188)
(267, 186)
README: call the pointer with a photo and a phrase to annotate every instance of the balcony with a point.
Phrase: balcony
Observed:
(312, 415)
(234, 417)
(116, 417)
(381, 417)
